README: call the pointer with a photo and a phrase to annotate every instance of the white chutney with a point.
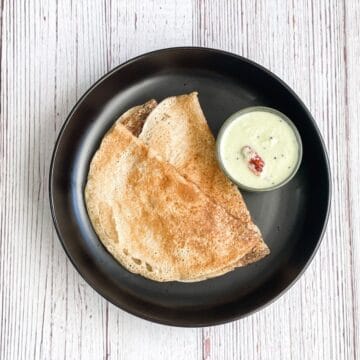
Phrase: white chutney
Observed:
(259, 149)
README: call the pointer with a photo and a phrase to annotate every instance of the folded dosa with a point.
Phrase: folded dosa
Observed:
(134, 118)
(178, 131)
(156, 222)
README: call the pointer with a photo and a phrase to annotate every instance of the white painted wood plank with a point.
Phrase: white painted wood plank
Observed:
(352, 91)
(303, 43)
(143, 26)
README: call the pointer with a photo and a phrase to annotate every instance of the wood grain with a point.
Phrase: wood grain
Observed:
(50, 53)
(352, 115)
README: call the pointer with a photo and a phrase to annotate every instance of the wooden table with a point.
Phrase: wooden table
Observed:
(51, 52)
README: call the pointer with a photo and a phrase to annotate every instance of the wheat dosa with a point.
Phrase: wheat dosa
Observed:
(134, 118)
(177, 129)
(154, 221)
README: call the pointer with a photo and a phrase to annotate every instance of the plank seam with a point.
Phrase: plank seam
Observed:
(348, 183)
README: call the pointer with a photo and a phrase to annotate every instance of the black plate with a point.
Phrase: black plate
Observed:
(292, 219)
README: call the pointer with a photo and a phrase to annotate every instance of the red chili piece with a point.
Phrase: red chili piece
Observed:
(255, 162)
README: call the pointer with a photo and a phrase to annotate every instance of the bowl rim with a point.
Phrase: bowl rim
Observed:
(233, 118)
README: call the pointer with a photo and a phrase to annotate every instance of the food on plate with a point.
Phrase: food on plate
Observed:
(134, 118)
(178, 131)
(157, 205)
(259, 148)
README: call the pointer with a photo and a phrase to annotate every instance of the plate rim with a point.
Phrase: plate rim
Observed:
(237, 57)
